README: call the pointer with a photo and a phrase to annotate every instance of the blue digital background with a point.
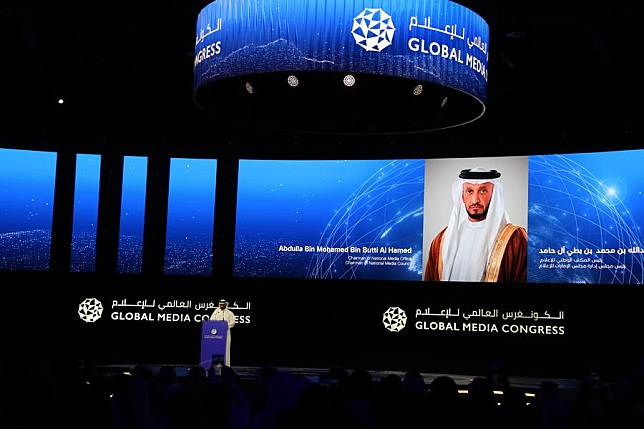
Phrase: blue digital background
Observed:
(327, 203)
(27, 180)
(130, 253)
(191, 214)
(587, 201)
(291, 35)
(86, 191)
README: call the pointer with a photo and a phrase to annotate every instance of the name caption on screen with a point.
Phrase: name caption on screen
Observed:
(348, 249)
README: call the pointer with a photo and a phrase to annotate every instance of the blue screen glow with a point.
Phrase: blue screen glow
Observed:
(291, 213)
(437, 41)
(191, 213)
(130, 256)
(27, 180)
(587, 211)
(364, 219)
(88, 174)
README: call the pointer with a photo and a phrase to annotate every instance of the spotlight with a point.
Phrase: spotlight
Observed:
(249, 88)
(349, 80)
(444, 102)
(418, 89)
(293, 81)
(61, 101)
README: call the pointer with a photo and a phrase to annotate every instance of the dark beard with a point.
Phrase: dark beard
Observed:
(478, 216)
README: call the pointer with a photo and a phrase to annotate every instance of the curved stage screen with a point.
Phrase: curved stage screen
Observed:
(245, 48)
(573, 218)
(434, 40)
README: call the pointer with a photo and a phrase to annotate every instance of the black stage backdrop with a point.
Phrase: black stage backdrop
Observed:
(325, 324)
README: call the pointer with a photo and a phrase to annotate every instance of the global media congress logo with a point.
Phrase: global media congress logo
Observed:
(373, 29)
(394, 319)
(90, 310)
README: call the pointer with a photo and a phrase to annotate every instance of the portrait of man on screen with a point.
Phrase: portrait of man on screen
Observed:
(479, 244)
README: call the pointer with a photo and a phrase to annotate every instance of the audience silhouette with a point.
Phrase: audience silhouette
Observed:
(339, 399)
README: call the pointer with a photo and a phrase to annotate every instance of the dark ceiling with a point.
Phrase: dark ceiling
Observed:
(563, 77)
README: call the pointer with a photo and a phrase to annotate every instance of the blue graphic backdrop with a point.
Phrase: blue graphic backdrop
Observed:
(590, 202)
(27, 181)
(191, 216)
(88, 176)
(242, 37)
(130, 256)
(331, 204)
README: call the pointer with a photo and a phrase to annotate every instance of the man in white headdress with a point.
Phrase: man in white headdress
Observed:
(479, 242)
(223, 313)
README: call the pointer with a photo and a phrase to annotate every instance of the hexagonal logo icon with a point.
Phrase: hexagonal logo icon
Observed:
(90, 310)
(394, 319)
(373, 29)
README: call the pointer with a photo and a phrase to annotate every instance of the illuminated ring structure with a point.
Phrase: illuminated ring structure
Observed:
(413, 65)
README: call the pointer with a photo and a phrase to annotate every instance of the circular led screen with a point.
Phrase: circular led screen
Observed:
(434, 50)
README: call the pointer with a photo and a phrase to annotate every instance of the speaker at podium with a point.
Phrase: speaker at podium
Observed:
(214, 340)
